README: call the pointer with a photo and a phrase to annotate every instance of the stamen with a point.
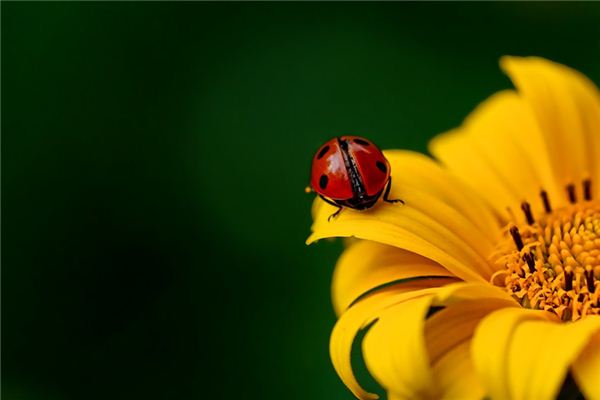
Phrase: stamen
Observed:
(546, 201)
(568, 314)
(571, 192)
(587, 189)
(589, 278)
(514, 232)
(527, 211)
(568, 278)
(528, 257)
(556, 263)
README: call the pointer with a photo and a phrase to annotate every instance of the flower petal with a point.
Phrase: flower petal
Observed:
(397, 347)
(406, 234)
(455, 375)
(490, 343)
(359, 317)
(395, 353)
(417, 171)
(456, 323)
(448, 337)
(567, 108)
(587, 367)
(525, 354)
(498, 156)
(366, 265)
(458, 292)
(425, 225)
(541, 353)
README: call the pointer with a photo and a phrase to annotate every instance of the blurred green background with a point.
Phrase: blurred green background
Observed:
(154, 159)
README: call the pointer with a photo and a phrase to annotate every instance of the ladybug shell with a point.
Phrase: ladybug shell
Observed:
(330, 176)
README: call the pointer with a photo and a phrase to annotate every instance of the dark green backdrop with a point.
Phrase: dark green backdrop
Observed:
(154, 158)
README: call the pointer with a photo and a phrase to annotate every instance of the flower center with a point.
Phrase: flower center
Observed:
(552, 263)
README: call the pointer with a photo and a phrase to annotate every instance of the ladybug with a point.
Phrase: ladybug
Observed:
(351, 171)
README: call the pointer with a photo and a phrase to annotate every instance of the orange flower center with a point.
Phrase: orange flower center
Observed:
(552, 263)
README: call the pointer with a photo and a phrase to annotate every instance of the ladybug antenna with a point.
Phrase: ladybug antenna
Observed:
(308, 189)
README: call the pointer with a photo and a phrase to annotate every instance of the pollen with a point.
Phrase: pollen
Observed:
(552, 261)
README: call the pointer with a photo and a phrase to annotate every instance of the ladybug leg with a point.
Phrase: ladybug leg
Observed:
(387, 193)
(338, 211)
(335, 214)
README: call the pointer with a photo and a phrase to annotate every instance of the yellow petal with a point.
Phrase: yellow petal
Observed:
(395, 353)
(490, 344)
(426, 224)
(397, 347)
(457, 152)
(417, 171)
(448, 333)
(406, 235)
(587, 367)
(458, 292)
(567, 109)
(434, 211)
(496, 153)
(409, 228)
(367, 265)
(525, 354)
(455, 375)
(541, 353)
(359, 317)
(456, 323)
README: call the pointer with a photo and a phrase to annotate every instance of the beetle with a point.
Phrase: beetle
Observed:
(351, 171)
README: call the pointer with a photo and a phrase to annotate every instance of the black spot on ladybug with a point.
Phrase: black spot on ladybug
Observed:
(323, 151)
(361, 142)
(323, 180)
(381, 166)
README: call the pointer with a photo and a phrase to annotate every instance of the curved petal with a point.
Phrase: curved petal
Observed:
(401, 347)
(448, 337)
(587, 367)
(490, 342)
(426, 225)
(458, 292)
(359, 317)
(525, 354)
(395, 353)
(417, 171)
(405, 234)
(455, 375)
(367, 265)
(541, 353)
(567, 109)
(456, 323)
(497, 151)
(379, 304)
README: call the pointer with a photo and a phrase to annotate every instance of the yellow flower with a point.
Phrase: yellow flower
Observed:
(486, 283)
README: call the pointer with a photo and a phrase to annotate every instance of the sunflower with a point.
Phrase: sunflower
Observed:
(486, 283)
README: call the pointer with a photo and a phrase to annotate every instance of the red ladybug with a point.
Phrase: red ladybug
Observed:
(350, 171)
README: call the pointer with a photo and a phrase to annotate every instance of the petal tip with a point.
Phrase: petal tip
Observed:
(507, 62)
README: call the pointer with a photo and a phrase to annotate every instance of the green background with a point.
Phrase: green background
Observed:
(154, 158)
